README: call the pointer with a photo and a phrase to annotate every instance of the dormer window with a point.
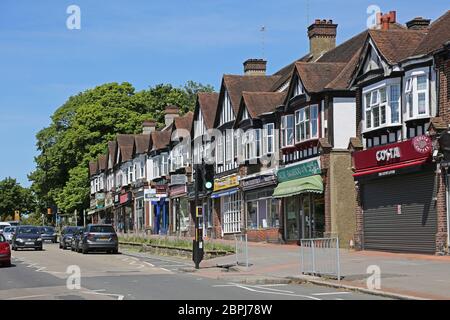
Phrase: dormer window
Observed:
(306, 123)
(245, 114)
(298, 89)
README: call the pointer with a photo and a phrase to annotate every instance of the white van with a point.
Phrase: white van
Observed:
(3, 225)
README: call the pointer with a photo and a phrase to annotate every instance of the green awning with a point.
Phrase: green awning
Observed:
(300, 185)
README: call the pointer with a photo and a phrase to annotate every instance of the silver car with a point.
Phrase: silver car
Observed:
(8, 233)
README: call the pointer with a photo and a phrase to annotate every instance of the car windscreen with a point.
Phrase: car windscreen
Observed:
(8, 229)
(102, 229)
(70, 230)
(28, 230)
(48, 230)
(2, 227)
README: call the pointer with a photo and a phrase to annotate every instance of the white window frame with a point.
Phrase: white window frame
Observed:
(219, 150)
(285, 129)
(231, 213)
(268, 135)
(304, 125)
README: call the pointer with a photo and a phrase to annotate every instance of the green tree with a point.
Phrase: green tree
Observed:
(80, 129)
(14, 197)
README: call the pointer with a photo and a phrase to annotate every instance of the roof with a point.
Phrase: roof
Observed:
(125, 143)
(142, 143)
(208, 103)
(112, 149)
(184, 122)
(285, 73)
(397, 45)
(93, 168)
(316, 75)
(438, 34)
(342, 80)
(102, 162)
(161, 139)
(236, 84)
(259, 103)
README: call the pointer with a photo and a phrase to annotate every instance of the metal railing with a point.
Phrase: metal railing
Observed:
(320, 257)
(241, 247)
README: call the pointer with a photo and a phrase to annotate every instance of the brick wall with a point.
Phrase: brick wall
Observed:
(269, 235)
(359, 233)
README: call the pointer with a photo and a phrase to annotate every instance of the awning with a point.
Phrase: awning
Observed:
(224, 193)
(297, 186)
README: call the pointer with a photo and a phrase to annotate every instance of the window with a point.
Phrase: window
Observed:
(269, 138)
(219, 150)
(306, 123)
(156, 167)
(381, 103)
(164, 165)
(416, 95)
(231, 213)
(394, 102)
(262, 210)
(287, 130)
(229, 146)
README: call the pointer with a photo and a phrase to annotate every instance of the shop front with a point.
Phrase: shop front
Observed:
(123, 212)
(160, 206)
(262, 211)
(301, 190)
(179, 205)
(227, 203)
(397, 185)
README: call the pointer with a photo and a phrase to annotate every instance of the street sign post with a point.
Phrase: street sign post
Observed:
(197, 248)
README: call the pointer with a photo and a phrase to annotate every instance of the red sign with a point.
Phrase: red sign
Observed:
(412, 151)
(177, 190)
(124, 198)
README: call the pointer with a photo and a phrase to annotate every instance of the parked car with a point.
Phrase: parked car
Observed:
(27, 237)
(3, 225)
(67, 233)
(14, 223)
(74, 246)
(5, 252)
(8, 232)
(99, 237)
(48, 234)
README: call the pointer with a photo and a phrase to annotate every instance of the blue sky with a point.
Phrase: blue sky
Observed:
(146, 42)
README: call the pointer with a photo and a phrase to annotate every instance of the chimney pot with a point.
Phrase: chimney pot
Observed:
(418, 23)
(255, 67)
(386, 19)
(148, 126)
(171, 112)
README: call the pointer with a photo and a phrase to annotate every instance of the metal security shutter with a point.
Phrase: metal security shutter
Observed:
(414, 230)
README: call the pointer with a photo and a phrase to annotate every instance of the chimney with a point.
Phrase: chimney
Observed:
(170, 114)
(385, 20)
(255, 67)
(148, 126)
(418, 23)
(322, 37)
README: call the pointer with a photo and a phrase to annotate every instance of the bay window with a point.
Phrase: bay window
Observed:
(156, 167)
(219, 150)
(306, 123)
(287, 130)
(416, 95)
(164, 165)
(228, 146)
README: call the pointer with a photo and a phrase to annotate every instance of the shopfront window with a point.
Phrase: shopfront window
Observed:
(181, 213)
(231, 213)
(140, 213)
(291, 210)
(262, 210)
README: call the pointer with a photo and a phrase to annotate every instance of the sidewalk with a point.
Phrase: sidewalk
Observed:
(421, 276)
(412, 275)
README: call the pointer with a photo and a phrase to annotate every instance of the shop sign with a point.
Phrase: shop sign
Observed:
(124, 198)
(178, 179)
(258, 182)
(301, 170)
(109, 201)
(161, 189)
(226, 182)
(99, 200)
(177, 190)
(417, 148)
(149, 194)
(116, 198)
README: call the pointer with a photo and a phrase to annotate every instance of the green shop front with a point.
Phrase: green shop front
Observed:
(301, 190)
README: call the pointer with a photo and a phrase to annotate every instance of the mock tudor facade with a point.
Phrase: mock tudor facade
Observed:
(343, 142)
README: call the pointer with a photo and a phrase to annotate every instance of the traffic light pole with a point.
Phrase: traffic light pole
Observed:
(197, 248)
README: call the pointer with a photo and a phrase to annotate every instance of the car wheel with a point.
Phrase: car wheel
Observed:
(84, 250)
(115, 251)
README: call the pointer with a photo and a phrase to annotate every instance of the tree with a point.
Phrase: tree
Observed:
(81, 128)
(14, 197)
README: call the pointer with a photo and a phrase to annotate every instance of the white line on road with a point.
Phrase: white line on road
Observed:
(272, 289)
(166, 270)
(28, 297)
(119, 296)
(279, 293)
(148, 263)
(329, 293)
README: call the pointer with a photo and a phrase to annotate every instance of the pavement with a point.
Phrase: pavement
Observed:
(403, 276)
(55, 274)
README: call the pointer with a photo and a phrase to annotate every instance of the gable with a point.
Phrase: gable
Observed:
(372, 61)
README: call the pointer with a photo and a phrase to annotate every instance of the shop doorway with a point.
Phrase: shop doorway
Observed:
(305, 216)
(161, 216)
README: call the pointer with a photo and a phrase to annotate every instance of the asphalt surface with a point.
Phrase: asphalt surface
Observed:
(52, 275)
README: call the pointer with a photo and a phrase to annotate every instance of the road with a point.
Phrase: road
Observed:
(50, 275)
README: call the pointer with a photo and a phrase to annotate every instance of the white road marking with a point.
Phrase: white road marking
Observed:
(119, 296)
(271, 289)
(329, 293)
(166, 270)
(279, 293)
(148, 263)
(28, 297)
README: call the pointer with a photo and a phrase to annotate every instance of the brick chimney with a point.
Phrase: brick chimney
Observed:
(418, 23)
(322, 37)
(384, 21)
(170, 113)
(148, 126)
(255, 67)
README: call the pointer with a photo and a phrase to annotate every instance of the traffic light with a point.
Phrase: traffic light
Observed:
(209, 177)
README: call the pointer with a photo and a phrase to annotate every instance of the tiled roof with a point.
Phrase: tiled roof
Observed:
(112, 149)
(184, 122)
(208, 103)
(161, 139)
(125, 143)
(438, 34)
(93, 168)
(397, 45)
(142, 143)
(316, 75)
(236, 84)
(102, 162)
(259, 103)
(342, 81)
